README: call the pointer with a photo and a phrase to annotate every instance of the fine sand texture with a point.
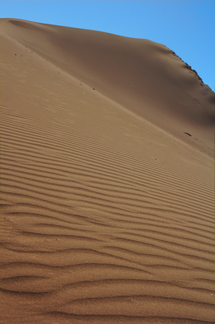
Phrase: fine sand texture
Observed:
(107, 180)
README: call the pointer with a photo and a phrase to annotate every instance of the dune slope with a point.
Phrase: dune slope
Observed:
(136, 73)
(105, 217)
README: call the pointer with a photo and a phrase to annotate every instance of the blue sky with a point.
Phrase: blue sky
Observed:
(187, 27)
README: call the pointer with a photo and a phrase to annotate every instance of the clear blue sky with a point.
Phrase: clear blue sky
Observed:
(187, 27)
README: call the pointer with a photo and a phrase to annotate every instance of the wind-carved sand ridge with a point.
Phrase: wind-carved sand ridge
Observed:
(107, 211)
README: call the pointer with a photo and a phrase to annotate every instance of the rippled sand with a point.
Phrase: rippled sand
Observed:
(107, 206)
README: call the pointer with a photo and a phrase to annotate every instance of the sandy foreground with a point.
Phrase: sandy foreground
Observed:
(107, 206)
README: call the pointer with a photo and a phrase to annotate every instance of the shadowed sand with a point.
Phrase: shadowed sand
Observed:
(107, 205)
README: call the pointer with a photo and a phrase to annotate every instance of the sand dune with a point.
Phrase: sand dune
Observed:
(107, 206)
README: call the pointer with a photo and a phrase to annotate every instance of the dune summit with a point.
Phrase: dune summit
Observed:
(107, 180)
(136, 73)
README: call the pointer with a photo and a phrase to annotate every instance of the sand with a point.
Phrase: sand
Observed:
(107, 205)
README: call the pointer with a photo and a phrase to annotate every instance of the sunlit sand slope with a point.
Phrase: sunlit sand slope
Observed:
(105, 218)
(137, 73)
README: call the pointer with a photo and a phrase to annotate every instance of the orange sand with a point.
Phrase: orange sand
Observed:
(107, 206)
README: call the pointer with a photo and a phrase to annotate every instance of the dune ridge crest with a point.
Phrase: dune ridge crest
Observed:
(106, 211)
